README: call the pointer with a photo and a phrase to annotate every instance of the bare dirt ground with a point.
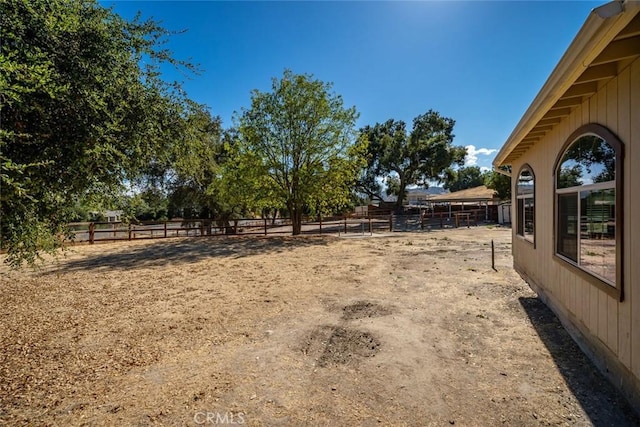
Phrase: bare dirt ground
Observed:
(400, 329)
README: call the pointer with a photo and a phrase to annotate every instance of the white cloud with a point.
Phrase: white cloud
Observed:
(473, 153)
(484, 169)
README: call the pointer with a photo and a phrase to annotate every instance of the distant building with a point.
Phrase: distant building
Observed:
(108, 215)
(113, 216)
(361, 211)
(417, 197)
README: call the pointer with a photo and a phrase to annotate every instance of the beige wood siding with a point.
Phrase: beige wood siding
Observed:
(615, 324)
(632, 208)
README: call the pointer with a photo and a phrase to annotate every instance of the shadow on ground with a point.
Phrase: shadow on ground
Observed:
(602, 403)
(187, 250)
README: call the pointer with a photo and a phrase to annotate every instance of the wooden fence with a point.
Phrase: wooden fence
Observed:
(111, 231)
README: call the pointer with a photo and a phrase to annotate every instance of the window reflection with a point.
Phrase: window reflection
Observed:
(598, 232)
(525, 182)
(586, 201)
(589, 160)
(525, 203)
(568, 226)
(528, 217)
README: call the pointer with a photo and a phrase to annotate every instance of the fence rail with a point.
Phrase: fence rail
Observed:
(112, 231)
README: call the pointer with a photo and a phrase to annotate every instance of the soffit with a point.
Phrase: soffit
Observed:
(560, 97)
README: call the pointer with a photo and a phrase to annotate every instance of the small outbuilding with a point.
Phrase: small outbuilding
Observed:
(575, 162)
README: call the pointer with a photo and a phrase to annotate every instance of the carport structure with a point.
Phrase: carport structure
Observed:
(475, 200)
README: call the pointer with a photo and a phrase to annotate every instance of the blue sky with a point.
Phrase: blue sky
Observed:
(478, 62)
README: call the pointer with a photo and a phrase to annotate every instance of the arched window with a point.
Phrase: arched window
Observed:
(525, 210)
(588, 191)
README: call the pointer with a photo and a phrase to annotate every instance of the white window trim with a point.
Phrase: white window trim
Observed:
(607, 185)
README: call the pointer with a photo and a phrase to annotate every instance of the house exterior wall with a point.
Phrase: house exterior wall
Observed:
(608, 330)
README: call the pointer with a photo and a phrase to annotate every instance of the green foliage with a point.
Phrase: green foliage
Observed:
(148, 205)
(79, 113)
(589, 159)
(570, 176)
(197, 170)
(209, 177)
(500, 183)
(403, 159)
(299, 143)
(242, 184)
(463, 178)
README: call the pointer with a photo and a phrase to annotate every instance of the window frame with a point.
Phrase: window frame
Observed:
(615, 290)
(520, 213)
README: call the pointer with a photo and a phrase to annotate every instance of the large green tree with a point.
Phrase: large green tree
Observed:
(210, 179)
(499, 182)
(463, 178)
(79, 114)
(300, 141)
(402, 158)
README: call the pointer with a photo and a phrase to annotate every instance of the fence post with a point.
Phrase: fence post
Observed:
(345, 224)
(129, 231)
(165, 229)
(265, 226)
(390, 222)
(493, 257)
(320, 224)
(91, 232)
(370, 229)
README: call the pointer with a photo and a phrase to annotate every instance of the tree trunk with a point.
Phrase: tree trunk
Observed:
(296, 219)
(401, 194)
(224, 222)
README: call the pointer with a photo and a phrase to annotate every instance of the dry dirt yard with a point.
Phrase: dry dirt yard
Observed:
(397, 329)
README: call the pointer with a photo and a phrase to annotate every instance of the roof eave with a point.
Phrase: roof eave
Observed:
(595, 34)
